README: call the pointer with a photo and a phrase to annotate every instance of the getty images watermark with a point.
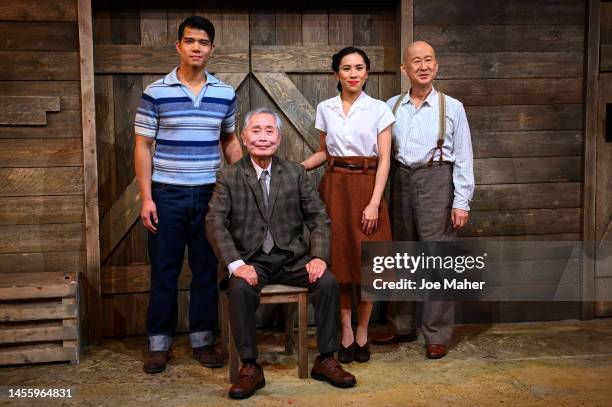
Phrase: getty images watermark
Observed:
(476, 270)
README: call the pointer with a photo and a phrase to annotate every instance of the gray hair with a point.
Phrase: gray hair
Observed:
(260, 110)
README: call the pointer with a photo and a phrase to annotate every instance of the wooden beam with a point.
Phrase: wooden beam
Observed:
(293, 104)
(527, 170)
(161, 59)
(59, 152)
(36, 332)
(41, 181)
(606, 58)
(126, 209)
(28, 65)
(27, 110)
(406, 20)
(20, 286)
(36, 312)
(314, 58)
(92, 317)
(592, 128)
(37, 10)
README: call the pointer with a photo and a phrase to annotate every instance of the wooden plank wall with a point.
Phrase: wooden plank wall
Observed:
(518, 68)
(41, 168)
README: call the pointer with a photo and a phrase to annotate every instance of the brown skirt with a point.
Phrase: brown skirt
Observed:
(346, 192)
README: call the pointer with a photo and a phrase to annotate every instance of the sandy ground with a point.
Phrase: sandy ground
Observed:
(566, 363)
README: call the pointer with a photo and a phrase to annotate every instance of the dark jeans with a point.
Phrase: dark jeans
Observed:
(181, 211)
(244, 300)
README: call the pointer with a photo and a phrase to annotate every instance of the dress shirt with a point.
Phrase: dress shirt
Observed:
(415, 134)
(356, 133)
(233, 266)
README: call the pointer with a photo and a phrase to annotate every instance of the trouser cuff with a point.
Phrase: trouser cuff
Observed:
(202, 338)
(159, 342)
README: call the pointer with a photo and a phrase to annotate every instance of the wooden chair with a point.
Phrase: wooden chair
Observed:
(273, 294)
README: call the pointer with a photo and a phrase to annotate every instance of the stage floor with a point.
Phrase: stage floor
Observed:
(556, 363)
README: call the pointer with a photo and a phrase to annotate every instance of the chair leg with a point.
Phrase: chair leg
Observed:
(303, 335)
(289, 311)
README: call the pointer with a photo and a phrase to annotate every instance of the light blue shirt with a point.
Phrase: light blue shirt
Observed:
(415, 134)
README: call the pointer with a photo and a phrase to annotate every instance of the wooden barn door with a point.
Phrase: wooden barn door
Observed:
(273, 56)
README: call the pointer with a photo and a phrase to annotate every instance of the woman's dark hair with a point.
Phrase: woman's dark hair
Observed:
(199, 23)
(337, 58)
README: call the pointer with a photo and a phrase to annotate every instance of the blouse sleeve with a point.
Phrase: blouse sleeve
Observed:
(385, 117)
(320, 119)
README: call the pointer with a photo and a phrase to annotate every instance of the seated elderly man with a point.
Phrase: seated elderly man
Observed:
(255, 226)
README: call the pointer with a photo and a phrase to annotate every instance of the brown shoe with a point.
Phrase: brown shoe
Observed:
(250, 379)
(208, 356)
(390, 339)
(155, 361)
(330, 370)
(435, 351)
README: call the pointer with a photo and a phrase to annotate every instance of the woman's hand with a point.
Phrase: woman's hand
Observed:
(369, 218)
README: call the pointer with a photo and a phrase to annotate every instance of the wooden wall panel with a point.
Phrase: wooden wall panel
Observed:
(67, 91)
(41, 209)
(42, 262)
(38, 36)
(23, 65)
(41, 238)
(41, 181)
(61, 152)
(39, 10)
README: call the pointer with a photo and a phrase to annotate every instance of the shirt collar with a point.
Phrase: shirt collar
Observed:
(363, 101)
(431, 99)
(259, 170)
(172, 78)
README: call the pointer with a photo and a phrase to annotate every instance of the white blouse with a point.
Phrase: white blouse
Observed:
(354, 134)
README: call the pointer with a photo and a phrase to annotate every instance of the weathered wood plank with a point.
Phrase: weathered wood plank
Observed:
(605, 22)
(293, 104)
(235, 27)
(212, 10)
(555, 143)
(67, 91)
(521, 222)
(34, 312)
(36, 332)
(525, 91)
(65, 123)
(34, 210)
(233, 79)
(42, 262)
(288, 28)
(154, 24)
(41, 181)
(178, 11)
(41, 238)
(27, 110)
(527, 170)
(303, 59)
(527, 196)
(262, 30)
(38, 36)
(340, 29)
(525, 117)
(61, 152)
(365, 28)
(407, 23)
(119, 219)
(105, 139)
(502, 38)
(315, 27)
(38, 10)
(125, 314)
(21, 286)
(21, 65)
(483, 65)
(160, 59)
(135, 279)
(38, 354)
(606, 58)
(522, 12)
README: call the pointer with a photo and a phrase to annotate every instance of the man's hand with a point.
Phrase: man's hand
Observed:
(459, 217)
(247, 273)
(148, 214)
(315, 268)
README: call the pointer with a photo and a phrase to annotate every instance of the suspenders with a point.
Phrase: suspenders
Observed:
(441, 124)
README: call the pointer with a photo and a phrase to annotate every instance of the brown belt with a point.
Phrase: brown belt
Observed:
(351, 166)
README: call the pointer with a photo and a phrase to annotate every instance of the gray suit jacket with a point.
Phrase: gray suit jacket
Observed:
(236, 219)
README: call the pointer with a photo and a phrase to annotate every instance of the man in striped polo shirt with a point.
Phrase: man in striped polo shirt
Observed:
(190, 116)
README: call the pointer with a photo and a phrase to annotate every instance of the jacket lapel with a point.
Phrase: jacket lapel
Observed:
(251, 178)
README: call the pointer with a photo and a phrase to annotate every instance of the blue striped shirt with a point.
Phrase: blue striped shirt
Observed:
(186, 128)
(415, 134)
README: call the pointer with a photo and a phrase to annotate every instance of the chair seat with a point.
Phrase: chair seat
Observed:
(274, 289)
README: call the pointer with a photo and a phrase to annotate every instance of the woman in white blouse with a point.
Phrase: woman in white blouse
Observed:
(355, 134)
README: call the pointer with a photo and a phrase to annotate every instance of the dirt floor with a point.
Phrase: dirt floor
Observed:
(566, 363)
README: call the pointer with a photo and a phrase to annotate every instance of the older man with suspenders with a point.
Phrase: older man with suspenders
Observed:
(431, 187)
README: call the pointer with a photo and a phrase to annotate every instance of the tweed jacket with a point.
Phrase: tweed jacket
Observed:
(236, 220)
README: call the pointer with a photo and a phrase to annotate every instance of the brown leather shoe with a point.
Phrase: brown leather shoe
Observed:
(250, 379)
(155, 361)
(435, 351)
(330, 370)
(390, 339)
(208, 356)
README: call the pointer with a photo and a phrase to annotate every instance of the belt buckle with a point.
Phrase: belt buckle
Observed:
(353, 167)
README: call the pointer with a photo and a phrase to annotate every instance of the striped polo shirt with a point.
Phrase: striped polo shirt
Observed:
(186, 128)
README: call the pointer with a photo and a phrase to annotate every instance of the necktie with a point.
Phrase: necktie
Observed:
(268, 242)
